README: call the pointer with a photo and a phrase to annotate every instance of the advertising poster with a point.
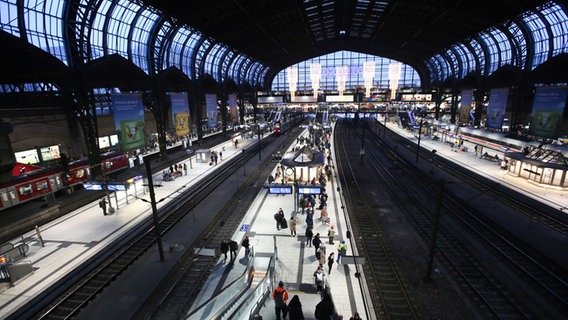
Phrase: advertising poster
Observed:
(128, 111)
(496, 108)
(211, 107)
(548, 105)
(465, 106)
(180, 112)
(50, 153)
(233, 108)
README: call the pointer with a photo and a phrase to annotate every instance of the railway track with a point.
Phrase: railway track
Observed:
(389, 293)
(495, 295)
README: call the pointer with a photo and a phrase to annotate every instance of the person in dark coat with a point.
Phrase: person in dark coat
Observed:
(295, 309)
(234, 246)
(246, 245)
(225, 247)
(309, 236)
(324, 309)
(316, 242)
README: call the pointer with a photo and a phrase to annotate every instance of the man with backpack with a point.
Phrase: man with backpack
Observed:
(280, 296)
(319, 276)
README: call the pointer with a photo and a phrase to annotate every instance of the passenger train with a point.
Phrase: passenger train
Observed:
(277, 129)
(502, 142)
(494, 140)
(29, 182)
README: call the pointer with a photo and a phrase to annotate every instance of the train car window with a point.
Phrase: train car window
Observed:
(26, 189)
(4, 197)
(80, 173)
(52, 181)
(13, 194)
(41, 185)
(58, 180)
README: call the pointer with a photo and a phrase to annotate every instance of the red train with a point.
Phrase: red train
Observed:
(30, 182)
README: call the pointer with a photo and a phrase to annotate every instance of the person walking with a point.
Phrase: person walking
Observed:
(341, 250)
(225, 247)
(321, 256)
(331, 234)
(319, 278)
(103, 205)
(355, 316)
(185, 169)
(246, 245)
(316, 242)
(295, 309)
(310, 218)
(330, 261)
(280, 296)
(233, 246)
(309, 236)
(292, 226)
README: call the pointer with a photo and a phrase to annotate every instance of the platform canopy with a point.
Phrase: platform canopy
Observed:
(305, 157)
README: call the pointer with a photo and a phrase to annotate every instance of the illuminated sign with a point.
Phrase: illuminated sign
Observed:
(116, 187)
(309, 190)
(50, 153)
(279, 189)
(93, 186)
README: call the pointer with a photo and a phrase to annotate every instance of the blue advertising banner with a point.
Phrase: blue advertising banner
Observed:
(548, 106)
(180, 112)
(496, 107)
(128, 111)
(465, 106)
(233, 108)
(211, 107)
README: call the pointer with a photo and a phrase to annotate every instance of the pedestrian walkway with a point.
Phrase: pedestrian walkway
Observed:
(295, 261)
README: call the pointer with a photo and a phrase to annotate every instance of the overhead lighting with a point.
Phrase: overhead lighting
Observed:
(342, 32)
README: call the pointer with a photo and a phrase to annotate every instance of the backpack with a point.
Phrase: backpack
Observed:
(279, 298)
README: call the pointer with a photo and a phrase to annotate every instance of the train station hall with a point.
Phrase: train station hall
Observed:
(263, 159)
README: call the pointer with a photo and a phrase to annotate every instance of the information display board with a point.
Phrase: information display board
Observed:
(93, 186)
(279, 189)
(309, 190)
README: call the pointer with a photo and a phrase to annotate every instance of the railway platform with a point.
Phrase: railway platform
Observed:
(64, 244)
(488, 167)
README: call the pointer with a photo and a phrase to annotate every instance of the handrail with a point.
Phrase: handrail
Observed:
(214, 298)
(242, 300)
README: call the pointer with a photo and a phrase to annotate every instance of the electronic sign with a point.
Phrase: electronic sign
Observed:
(116, 187)
(279, 189)
(309, 190)
(93, 186)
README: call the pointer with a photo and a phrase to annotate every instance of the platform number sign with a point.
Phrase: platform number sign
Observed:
(244, 227)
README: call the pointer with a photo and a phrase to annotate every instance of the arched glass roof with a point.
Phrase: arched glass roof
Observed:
(548, 36)
(126, 28)
(409, 77)
(79, 31)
